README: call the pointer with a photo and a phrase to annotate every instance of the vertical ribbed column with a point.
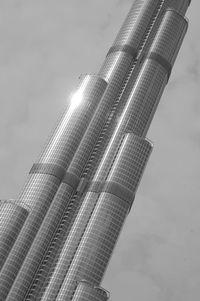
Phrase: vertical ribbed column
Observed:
(12, 218)
(72, 126)
(46, 176)
(146, 93)
(81, 222)
(181, 7)
(156, 69)
(149, 36)
(103, 228)
(130, 36)
(136, 115)
(87, 292)
(114, 70)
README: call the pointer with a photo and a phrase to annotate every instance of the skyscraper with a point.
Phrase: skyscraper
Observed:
(57, 238)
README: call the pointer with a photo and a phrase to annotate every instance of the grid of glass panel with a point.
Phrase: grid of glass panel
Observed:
(136, 113)
(147, 91)
(89, 140)
(170, 34)
(38, 192)
(93, 131)
(154, 90)
(117, 63)
(134, 28)
(40, 244)
(39, 196)
(96, 245)
(122, 97)
(51, 258)
(112, 63)
(70, 246)
(12, 218)
(40, 189)
(130, 162)
(181, 6)
(80, 157)
(70, 130)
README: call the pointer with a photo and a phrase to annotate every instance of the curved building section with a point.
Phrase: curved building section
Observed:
(39, 190)
(112, 207)
(128, 167)
(114, 70)
(37, 250)
(180, 6)
(133, 27)
(70, 244)
(169, 36)
(87, 292)
(45, 178)
(12, 218)
(136, 117)
(71, 211)
(74, 122)
(128, 40)
(85, 215)
(146, 92)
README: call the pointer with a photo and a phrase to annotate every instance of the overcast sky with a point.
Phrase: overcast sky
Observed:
(44, 46)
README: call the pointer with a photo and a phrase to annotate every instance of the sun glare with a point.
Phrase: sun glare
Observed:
(76, 99)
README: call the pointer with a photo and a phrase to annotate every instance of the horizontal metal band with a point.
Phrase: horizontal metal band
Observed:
(12, 204)
(113, 188)
(162, 61)
(119, 190)
(96, 186)
(49, 169)
(123, 48)
(71, 179)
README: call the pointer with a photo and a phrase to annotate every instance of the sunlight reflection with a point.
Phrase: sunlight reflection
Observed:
(76, 99)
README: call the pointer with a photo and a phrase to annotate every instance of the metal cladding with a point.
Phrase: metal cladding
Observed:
(180, 6)
(115, 70)
(129, 38)
(147, 90)
(74, 123)
(52, 164)
(86, 292)
(128, 167)
(113, 202)
(12, 218)
(169, 38)
(69, 215)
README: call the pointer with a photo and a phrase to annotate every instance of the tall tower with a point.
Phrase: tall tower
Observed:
(57, 238)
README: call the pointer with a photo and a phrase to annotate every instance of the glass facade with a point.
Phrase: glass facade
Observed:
(71, 128)
(12, 218)
(57, 239)
(100, 236)
(114, 70)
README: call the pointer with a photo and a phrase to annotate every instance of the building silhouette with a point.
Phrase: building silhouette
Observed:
(57, 238)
